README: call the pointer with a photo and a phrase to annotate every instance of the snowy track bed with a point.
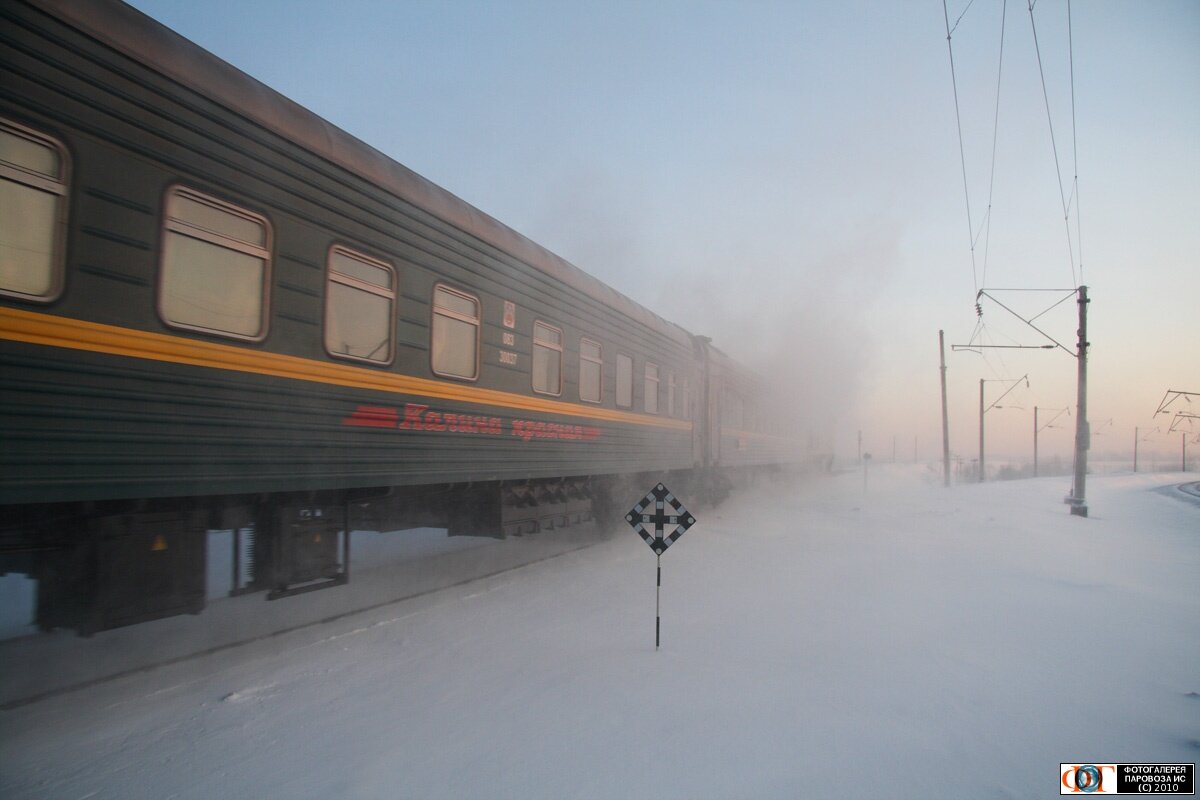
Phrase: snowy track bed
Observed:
(915, 642)
(389, 568)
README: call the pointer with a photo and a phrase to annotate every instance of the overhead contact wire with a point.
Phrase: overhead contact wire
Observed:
(1053, 146)
(1074, 143)
(960, 16)
(995, 138)
(961, 151)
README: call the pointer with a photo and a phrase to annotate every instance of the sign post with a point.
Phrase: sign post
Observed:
(652, 510)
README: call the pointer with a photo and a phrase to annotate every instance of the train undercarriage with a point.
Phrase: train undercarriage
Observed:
(106, 565)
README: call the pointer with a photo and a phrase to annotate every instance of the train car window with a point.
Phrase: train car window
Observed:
(360, 292)
(33, 194)
(591, 368)
(671, 410)
(624, 380)
(454, 334)
(547, 359)
(215, 270)
(651, 396)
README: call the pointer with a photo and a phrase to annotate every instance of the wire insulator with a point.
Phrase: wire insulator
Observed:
(978, 310)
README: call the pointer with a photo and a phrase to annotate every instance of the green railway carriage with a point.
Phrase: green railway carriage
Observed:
(218, 310)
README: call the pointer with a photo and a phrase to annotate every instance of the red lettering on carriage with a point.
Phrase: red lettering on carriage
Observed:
(412, 417)
(418, 417)
(527, 431)
(372, 417)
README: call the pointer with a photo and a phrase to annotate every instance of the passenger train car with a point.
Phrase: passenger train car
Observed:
(217, 310)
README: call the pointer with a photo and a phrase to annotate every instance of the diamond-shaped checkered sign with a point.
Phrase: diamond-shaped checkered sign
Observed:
(652, 510)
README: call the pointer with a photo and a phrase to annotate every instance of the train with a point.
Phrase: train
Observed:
(218, 311)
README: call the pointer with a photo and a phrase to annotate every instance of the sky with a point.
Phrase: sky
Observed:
(786, 178)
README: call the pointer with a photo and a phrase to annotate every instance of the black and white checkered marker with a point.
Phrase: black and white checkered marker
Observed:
(652, 510)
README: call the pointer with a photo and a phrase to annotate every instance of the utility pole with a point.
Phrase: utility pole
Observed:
(981, 412)
(1038, 428)
(1082, 432)
(1170, 397)
(945, 418)
(995, 404)
(1035, 433)
(1078, 497)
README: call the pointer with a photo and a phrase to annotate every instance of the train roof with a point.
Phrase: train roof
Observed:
(148, 41)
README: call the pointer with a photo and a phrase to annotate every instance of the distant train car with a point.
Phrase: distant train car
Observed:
(219, 311)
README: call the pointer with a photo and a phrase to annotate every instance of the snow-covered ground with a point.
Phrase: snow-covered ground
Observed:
(914, 641)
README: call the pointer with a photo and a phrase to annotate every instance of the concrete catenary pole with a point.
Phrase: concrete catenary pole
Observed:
(1082, 432)
(945, 418)
(1035, 433)
(981, 413)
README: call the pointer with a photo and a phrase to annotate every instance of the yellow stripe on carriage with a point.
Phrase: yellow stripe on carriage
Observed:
(65, 332)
